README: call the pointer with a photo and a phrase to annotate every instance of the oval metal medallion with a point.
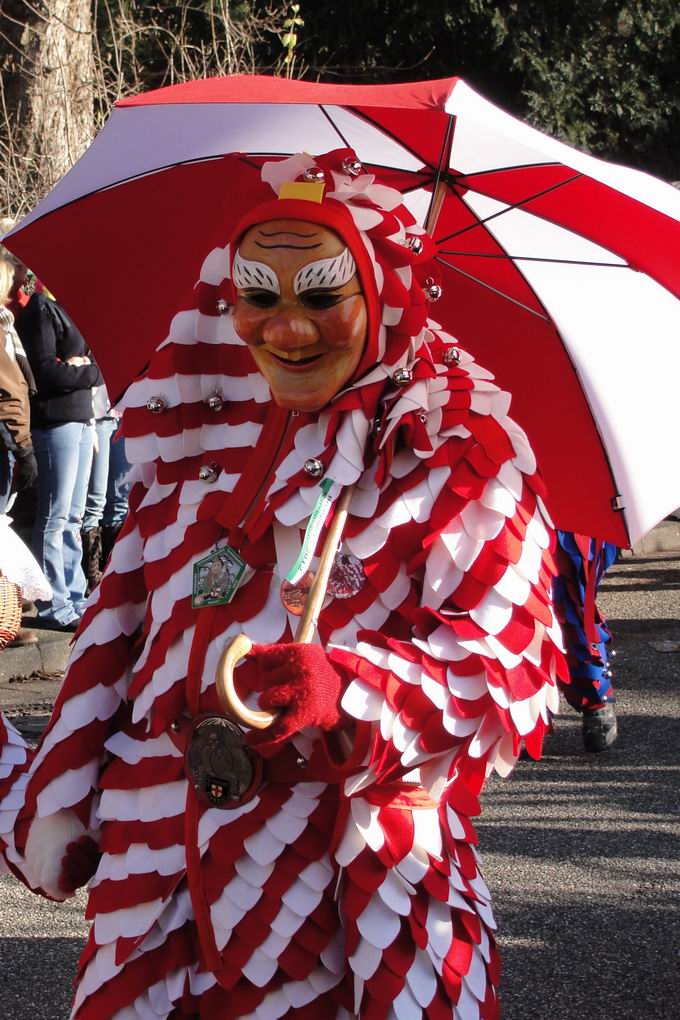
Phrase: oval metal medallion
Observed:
(221, 769)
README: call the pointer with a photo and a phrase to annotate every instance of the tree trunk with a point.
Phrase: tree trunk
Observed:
(47, 94)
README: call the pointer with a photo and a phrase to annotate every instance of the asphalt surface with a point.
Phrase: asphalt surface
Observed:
(582, 852)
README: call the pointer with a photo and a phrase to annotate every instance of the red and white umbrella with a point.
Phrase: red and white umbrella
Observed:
(560, 272)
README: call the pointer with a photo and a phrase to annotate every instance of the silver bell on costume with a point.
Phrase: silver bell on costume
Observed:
(314, 174)
(452, 356)
(223, 306)
(156, 405)
(433, 291)
(352, 166)
(313, 467)
(214, 402)
(208, 473)
(402, 376)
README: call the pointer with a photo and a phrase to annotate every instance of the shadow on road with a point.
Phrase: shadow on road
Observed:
(653, 575)
(591, 959)
(631, 628)
(581, 854)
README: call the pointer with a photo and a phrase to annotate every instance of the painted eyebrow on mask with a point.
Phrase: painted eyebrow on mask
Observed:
(248, 273)
(293, 233)
(295, 247)
(325, 274)
(287, 233)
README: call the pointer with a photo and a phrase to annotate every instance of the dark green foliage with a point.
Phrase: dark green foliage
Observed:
(601, 74)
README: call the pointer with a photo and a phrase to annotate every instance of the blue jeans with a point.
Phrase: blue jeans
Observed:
(99, 475)
(64, 456)
(118, 489)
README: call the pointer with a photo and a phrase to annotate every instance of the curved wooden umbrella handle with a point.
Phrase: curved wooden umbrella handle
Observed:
(239, 646)
(237, 649)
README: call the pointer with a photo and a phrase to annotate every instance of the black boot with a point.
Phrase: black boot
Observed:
(599, 727)
(109, 536)
(92, 552)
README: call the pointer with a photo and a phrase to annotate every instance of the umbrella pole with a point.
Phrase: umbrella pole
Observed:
(435, 207)
(240, 645)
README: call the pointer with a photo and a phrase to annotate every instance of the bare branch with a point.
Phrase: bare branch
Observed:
(64, 64)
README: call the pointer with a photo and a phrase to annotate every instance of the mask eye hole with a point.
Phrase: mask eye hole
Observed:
(261, 298)
(320, 300)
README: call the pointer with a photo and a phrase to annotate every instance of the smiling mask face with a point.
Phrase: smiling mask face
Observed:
(300, 309)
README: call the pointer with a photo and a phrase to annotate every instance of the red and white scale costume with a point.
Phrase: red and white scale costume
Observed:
(357, 895)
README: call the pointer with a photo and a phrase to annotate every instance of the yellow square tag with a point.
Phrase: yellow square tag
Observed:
(308, 191)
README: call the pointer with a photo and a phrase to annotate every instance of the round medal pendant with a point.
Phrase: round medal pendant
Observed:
(347, 576)
(294, 596)
(222, 770)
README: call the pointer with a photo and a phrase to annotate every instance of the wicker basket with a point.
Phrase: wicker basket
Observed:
(10, 611)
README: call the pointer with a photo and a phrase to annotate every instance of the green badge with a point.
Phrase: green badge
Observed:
(216, 578)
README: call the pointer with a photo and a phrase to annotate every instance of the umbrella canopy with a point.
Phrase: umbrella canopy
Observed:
(560, 272)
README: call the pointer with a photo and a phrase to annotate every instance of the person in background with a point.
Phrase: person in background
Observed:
(63, 439)
(117, 492)
(107, 495)
(105, 426)
(582, 563)
(17, 299)
(17, 459)
(20, 291)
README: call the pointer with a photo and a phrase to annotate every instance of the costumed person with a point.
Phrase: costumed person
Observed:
(326, 866)
(582, 563)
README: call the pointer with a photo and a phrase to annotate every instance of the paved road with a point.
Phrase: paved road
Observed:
(581, 852)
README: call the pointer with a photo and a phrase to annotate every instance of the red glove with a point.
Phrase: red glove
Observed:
(78, 864)
(299, 682)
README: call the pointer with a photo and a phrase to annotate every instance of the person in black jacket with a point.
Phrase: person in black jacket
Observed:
(61, 417)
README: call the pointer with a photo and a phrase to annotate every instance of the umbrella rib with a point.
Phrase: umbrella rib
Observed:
(335, 127)
(207, 159)
(395, 138)
(416, 187)
(494, 290)
(502, 169)
(515, 205)
(535, 258)
(424, 174)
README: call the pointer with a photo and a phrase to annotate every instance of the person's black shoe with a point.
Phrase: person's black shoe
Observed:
(599, 728)
(42, 624)
(70, 627)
